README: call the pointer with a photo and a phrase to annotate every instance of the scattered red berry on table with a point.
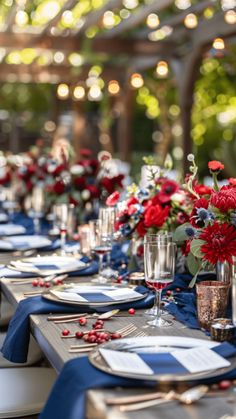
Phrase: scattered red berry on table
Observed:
(224, 384)
(41, 283)
(168, 292)
(131, 311)
(116, 336)
(35, 282)
(65, 332)
(82, 321)
(79, 335)
(47, 284)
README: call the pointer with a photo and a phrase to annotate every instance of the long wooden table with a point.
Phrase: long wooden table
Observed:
(56, 349)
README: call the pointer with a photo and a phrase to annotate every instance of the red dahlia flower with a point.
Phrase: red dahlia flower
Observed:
(225, 199)
(215, 166)
(168, 188)
(232, 181)
(220, 243)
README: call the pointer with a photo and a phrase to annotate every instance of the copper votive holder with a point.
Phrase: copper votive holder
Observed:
(212, 300)
(222, 329)
(136, 278)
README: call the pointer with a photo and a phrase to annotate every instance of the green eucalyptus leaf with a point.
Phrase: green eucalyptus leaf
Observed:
(193, 264)
(195, 248)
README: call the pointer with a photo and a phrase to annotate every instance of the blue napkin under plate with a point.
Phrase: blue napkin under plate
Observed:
(68, 396)
(15, 346)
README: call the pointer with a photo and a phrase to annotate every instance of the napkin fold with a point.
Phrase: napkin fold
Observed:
(15, 346)
(68, 396)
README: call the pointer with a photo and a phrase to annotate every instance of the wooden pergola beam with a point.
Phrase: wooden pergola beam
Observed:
(208, 30)
(53, 73)
(11, 17)
(93, 18)
(138, 17)
(72, 44)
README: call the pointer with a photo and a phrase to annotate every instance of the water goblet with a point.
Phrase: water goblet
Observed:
(100, 245)
(107, 216)
(159, 266)
(61, 213)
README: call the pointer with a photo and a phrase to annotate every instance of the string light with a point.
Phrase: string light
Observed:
(183, 4)
(218, 43)
(95, 93)
(230, 17)
(153, 21)
(162, 69)
(21, 18)
(58, 57)
(67, 18)
(108, 19)
(79, 93)
(113, 87)
(130, 4)
(136, 80)
(191, 21)
(75, 59)
(63, 91)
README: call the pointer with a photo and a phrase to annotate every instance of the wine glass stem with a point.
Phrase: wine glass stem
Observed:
(158, 304)
(100, 263)
(36, 225)
(63, 242)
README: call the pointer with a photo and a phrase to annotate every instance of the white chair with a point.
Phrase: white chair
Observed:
(34, 355)
(24, 391)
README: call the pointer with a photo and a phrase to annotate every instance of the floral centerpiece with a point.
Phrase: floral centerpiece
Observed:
(210, 235)
(161, 206)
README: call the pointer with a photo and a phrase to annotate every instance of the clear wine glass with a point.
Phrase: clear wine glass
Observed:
(61, 213)
(36, 211)
(100, 245)
(107, 216)
(164, 238)
(159, 266)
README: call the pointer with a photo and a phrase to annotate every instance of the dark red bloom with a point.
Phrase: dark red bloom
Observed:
(215, 166)
(182, 217)
(117, 180)
(79, 183)
(107, 184)
(220, 243)
(85, 152)
(94, 191)
(200, 203)
(225, 199)
(155, 216)
(59, 187)
(202, 189)
(168, 188)
(185, 249)
(113, 199)
(141, 229)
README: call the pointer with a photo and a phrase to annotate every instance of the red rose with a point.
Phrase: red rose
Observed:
(200, 203)
(113, 199)
(215, 166)
(132, 201)
(59, 187)
(59, 169)
(155, 216)
(225, 199)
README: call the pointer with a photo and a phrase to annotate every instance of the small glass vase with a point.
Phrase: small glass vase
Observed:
(224, 271)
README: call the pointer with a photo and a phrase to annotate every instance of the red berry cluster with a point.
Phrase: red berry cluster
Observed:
(97, 335)
(41, 283)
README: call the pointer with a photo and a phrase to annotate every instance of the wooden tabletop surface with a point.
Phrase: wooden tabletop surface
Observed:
(56, 349)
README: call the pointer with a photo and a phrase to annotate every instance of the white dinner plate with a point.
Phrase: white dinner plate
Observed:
(24, 242)
(158, 345)
(11, 229)
(93, 296)
(46, 265)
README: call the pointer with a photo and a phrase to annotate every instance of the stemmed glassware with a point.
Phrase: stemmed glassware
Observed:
(163, 238)
(107, 216)
(100, 245)
(61, 213)
(36, 211)
(159, 266)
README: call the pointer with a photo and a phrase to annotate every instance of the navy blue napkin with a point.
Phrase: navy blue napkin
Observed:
(27, 222)
(68, 396)
(15, 346)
